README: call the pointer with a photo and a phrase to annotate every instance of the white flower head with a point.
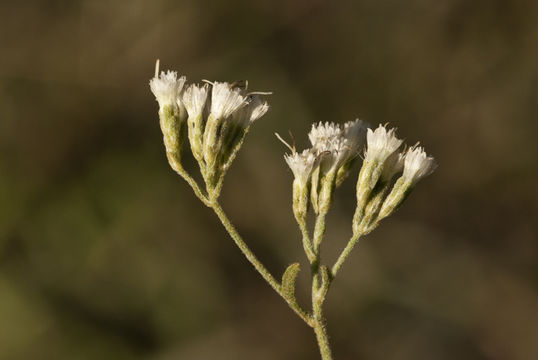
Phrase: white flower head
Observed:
(393, 165)
(381, 144)
(194, 99)
(355, 133)
(255, 109)
(322, 134)
(417, 164)
(337, 144)
(225, 100)
(302, 164)
(337, 152)
(166, 87)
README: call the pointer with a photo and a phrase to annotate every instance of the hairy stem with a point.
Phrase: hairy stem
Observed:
(178, 168)
(320, 287)
(319, 231)
(307, 242)
(323, 340)
(255, 262)
(345, 253)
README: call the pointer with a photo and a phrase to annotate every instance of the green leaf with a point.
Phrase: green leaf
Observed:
(288, 282)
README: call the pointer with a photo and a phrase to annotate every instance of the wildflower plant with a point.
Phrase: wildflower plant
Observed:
(215, 117)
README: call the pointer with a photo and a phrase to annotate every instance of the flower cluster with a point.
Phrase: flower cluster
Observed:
(320, 169)
(377, 196)
(216, 117)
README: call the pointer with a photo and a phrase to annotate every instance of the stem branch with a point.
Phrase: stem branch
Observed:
(345, 253)
(255, 262)
(178, 168)
(307, 242)
(320, 286)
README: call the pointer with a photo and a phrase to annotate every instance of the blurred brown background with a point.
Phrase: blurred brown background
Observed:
(106, 254)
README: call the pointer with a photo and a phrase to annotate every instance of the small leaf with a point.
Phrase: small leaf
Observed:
(288, 282)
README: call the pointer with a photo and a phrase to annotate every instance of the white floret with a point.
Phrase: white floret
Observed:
(323, 133)
(355, 133)
(194, 99)
(337, 144)
(417, 164)
(302, 164)
(381, 144)
(225, 100)
(257, 108)
(166, 87)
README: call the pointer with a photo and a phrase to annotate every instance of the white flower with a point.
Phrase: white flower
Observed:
(335, 154)
(194, 99)
(322, 134)
(166, 87)
(335, 144)
(302, 164)
(393, 165)
(417, 164)
(225, 100)
(355, 133)
(255, 109)
(381, 144)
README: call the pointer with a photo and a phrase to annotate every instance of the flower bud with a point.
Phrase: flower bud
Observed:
(380, 161)
(416, 166)
(301, 164)
(225, 100)
(167, 88)
(194, 99)
(337, 147)
(355, 133)
(233, 130)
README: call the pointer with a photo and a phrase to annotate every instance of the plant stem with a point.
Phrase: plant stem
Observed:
(178, 168)
(307, 243)
(319, 231)
(255, 262)
(345, 253)
(323, 339)
(320, 286)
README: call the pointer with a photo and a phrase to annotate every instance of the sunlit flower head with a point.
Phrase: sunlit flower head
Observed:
(381, 144)
(166, 87)
(322, 134)
(417, 164)
(355, 133)
(254, 109)
(226, 99)
(194, 99)
(302, 164)
(337, 144)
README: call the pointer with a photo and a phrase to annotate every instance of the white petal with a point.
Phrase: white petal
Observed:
(194, 98)
(381, 144)
(166, 87)
(418, 164)
(302, 164)
(225, 100)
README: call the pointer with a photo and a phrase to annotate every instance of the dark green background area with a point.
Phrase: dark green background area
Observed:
(106, 254)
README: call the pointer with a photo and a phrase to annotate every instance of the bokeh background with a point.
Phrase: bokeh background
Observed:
(106, 254)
